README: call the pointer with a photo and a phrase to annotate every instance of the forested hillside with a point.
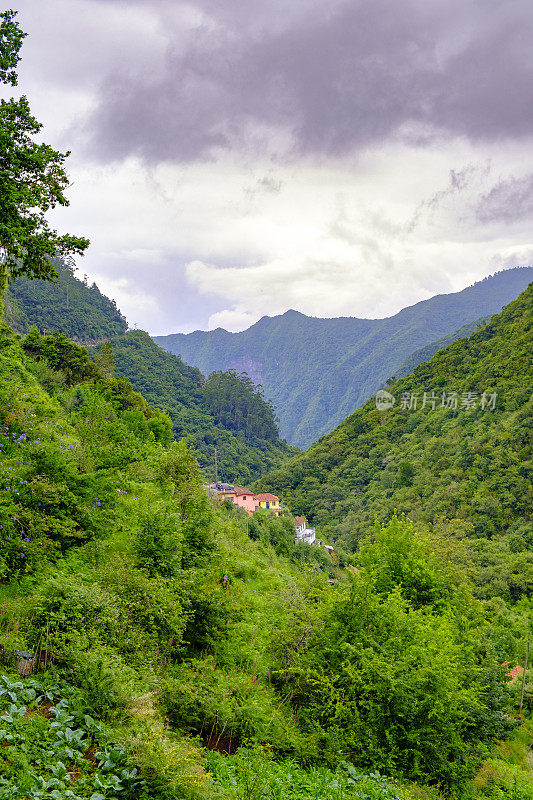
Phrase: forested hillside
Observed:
(451, 461)
(427, 352)
(206, 415)
(318, 371)
(184, 652)
(226, 412)
(68, 305)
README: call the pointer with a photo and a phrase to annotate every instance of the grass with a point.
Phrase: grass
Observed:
(509, 773)
(252, 774)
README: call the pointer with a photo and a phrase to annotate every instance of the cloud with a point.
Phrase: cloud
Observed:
(463, 183)
(510, 200)
(231, 320)
(326, 80)
(233, 159)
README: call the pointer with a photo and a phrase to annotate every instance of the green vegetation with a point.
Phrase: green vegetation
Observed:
(225, 412)
(67, 304)
(112, 574)
(252, 776)
(239, 406)
(463, 472)
(51, 747)
(157, 645)
(427, 352)
(316, 372)
(32, 179)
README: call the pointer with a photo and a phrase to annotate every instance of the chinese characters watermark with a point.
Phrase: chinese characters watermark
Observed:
(452, 401)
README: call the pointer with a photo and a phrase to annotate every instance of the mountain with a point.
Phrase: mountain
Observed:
(427, 352)
(172, 386)
(460, 464)
(318, 371)
(68, 305)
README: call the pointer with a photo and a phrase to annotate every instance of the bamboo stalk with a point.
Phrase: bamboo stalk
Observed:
(524, 679)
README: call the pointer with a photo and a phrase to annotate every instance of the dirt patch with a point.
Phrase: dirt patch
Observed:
(223, 744)
(75, 773)
(89, 754)
(44, 710)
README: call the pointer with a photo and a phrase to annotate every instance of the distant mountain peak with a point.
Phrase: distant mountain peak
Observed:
(317, 371)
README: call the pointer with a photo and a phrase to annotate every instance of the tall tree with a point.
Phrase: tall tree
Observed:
(32, 179)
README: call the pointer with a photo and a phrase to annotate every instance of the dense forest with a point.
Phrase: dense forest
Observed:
(66, 304)
(158, 679)
(225, 412)
(318, 371)
(240, 406)
(454, 464)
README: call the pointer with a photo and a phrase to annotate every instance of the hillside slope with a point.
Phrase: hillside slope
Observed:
(465, 471)
(172, 386)
(318, 371)
(83, 313)
(185, 653)
(428, 351)
(68, 305)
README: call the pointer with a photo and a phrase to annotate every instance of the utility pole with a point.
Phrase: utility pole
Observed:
(524, 679)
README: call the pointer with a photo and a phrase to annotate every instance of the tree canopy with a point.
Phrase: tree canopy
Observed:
(240, 406)
(32, 179)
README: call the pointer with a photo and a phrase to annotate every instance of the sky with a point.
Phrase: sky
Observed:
(236, 158)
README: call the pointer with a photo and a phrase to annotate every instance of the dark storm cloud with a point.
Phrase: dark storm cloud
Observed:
(508, 201)
(335, 76)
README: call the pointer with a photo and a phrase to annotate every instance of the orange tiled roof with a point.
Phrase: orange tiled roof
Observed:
(513, 672)
(242, 490)
(300, 520)
(267, 496)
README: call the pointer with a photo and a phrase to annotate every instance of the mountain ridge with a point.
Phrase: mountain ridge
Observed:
(316, 371)
(459, 466)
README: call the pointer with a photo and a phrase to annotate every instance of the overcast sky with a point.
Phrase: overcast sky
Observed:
(235, 158)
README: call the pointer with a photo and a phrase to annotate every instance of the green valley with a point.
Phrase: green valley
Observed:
(379, 685)
(71, 307)
(164, 636)
(318, 371)
(205, 423)
(442, 454)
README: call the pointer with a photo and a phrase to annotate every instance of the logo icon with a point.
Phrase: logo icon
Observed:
(384, 400)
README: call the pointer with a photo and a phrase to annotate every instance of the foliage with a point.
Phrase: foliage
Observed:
(507, 773)
(67, 304)
(228, 706)
(51, 748)
(122, 587)
(204, 422)
(397, 557)
(399, 689)
(252, 775)
(239, 406)
(32, 179)
(463, 472)
(318, 371)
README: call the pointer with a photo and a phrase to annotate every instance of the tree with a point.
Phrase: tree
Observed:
(32, 180)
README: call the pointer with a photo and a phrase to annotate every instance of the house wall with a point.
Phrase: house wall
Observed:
(270, 505)
(246, 501)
